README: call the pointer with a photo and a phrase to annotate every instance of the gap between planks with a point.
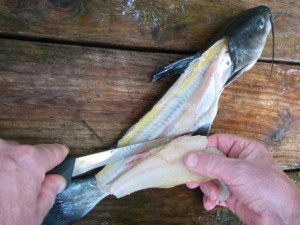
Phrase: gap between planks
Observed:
(46, 40)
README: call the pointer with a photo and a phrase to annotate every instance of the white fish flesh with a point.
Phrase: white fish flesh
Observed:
(164, 169)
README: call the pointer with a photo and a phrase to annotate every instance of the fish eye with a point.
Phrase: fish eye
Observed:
(260, 23)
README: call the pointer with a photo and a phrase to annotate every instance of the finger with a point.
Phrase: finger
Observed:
(8, 145)
(210, 189)
(222, 203)
(12, 143)
(209, 204)
(51, 155)
(213, 166)
(192, 185)
(224, 192)
(242, 210)
(51, 186)
(231, 145)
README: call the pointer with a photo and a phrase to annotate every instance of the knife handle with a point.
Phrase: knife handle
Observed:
(65, 169)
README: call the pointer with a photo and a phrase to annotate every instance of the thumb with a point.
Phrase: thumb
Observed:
(211, 165)
(51, 186)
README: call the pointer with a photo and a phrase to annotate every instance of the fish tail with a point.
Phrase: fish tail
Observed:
(176, 68)
(74, 202)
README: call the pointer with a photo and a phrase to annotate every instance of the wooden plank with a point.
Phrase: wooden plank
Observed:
(267, 111)
(178, 205)
(170, 25)
(83, 97)
(87, 97)
(162, 207)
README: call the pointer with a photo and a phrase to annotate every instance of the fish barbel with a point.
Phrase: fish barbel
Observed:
(189, 106)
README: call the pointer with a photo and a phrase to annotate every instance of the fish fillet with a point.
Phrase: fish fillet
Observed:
(164, 169)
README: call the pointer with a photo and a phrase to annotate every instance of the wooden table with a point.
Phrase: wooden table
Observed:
(79, 73)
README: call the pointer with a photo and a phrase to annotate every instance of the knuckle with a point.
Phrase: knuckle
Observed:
(9, 164)
(51, 186)
(25, 154)
(211, 163)
(4, 144)
(49, 196)
(242, 169)
(208, 165)
(28, 150)
(2, 141)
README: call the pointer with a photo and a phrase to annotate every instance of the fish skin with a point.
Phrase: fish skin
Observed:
(239, 44)
(68, 204)
(246, 39)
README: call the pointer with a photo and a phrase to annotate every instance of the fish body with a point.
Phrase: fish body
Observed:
(190, 105)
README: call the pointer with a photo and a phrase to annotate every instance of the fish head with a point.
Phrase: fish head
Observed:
(246, 35)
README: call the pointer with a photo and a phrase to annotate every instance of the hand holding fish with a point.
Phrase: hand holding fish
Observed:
(261, 192)
(26, 192)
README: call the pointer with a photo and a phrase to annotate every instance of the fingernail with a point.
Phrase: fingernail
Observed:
(62, 186)
(213, 196)
(192, 160)
(210, 193)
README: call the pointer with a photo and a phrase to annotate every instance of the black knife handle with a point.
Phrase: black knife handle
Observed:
(65, 169)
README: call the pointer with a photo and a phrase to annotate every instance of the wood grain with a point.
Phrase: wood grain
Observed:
(82, 97)
(267, 111)
(164, 25)
(163, 206)
(87, 97)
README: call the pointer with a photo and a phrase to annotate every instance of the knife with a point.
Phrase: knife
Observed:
(73, 167)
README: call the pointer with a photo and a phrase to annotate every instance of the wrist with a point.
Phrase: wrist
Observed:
(294, 217)
(287, 214)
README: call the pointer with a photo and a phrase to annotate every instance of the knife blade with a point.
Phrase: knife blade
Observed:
(87, 163)
(72, 167)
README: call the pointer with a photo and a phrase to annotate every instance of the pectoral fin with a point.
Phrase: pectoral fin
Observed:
(236, 74)
(203, 130)
(176, 68)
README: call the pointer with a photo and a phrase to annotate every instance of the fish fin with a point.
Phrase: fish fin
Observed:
(56, 216)
(203, 130)
(236, 75)
(176, 68)
(233, 78)
(72, 204)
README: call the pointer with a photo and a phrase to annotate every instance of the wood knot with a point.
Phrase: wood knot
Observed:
(283, 128)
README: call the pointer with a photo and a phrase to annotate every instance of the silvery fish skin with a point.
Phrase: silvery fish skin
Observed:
(240, 44)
